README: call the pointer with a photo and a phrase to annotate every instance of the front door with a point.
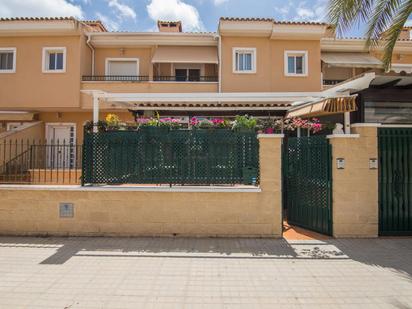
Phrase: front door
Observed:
(60, 147)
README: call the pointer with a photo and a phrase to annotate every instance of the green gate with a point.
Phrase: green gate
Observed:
(395, 181)
(307, 181)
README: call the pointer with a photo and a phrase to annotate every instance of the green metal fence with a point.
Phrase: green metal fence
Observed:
(395, 181)
(157, 156)
(307, 182)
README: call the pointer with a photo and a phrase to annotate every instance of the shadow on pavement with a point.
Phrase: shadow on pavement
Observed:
(395, 253)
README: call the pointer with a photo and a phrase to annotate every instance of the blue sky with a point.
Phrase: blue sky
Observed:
(196, 15)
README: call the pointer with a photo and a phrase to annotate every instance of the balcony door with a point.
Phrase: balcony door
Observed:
(192, 75)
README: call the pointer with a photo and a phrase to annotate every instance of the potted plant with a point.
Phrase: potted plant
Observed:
(220, 123)
(131, 126)
(269, 125)
(171, 123)
(151, 125)
(112, 121)
(244, 124)
(101, 126)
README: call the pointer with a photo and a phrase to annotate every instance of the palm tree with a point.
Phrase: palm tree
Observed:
(384, 18)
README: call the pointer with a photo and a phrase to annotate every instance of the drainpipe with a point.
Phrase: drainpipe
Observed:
(92, 49)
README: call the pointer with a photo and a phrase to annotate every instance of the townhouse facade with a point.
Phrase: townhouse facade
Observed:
(61, 70)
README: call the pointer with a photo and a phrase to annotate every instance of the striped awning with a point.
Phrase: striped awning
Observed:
(351, 60)
(323, 107)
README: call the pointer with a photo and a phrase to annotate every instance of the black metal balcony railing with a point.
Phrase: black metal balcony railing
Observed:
(131, 78)
(331, 82)
(115, 78)
(185, 78)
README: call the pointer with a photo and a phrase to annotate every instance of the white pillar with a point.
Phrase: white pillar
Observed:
(95, 112)
(347, 122)
(298, 134)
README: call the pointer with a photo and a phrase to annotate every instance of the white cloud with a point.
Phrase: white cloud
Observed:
(108, 22)
(313, 12)
(175, 10)
(219, 2)
(283, 11)
(123, 9)
(305, 13)
(39, 8)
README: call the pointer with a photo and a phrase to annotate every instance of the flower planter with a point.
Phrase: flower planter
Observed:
(152, 130)
(244, 130)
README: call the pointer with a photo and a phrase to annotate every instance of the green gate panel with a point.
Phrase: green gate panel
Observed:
(395, 181)
(307, 180)
(157, 156)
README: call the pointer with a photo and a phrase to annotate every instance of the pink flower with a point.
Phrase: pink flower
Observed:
(194, 121)
(217, 121)
(142, 120)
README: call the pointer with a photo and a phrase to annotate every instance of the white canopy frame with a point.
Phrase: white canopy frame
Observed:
(299, 98)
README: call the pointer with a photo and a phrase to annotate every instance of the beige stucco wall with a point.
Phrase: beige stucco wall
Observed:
(145, 87)
(28, 211)
(85, 57)
(79, 118)
(270, 70)
(355, 188)
(152, 87)
(143, 54)
(14, 142)
(30, 88)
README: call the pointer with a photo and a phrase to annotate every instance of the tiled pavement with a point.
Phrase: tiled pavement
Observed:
(204, 273)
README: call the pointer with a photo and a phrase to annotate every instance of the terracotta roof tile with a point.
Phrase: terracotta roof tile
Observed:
(300, 23)
(272, 20)
(247, 19)
(35, 18)
(167, 33)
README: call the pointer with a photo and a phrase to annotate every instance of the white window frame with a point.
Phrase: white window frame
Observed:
(303, 53)
(252, 50)
(45, 61)
(14, 51)
(107, 60)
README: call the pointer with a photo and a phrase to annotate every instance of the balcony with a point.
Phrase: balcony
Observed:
(115, 78)
(145, 84)
(185, 79)
(132, 78)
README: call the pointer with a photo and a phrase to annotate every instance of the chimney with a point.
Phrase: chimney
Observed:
(169, 26)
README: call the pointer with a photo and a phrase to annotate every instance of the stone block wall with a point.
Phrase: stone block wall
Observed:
(355, 188)
(151, 211)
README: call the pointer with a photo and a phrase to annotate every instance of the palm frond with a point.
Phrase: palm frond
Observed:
(343, 14)
(392, 34)
(381, 19)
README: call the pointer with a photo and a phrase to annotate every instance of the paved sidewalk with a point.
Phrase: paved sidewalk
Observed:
(204, 273)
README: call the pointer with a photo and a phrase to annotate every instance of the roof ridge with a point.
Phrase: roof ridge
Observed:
(38, 18)
(270, 19)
